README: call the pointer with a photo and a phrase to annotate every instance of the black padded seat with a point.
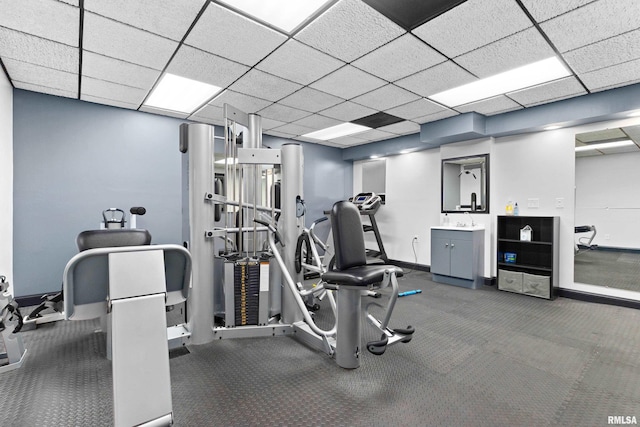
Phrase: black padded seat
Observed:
(351, 268)
(112, 238)
(359, 276)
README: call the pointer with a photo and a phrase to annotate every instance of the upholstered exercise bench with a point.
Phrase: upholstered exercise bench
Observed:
(132, 284)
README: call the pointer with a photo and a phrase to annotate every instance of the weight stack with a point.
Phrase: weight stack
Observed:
(246, 292)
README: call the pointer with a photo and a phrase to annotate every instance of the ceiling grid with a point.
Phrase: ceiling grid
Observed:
(349, 61)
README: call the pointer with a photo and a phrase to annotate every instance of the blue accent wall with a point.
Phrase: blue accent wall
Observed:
(73, 159)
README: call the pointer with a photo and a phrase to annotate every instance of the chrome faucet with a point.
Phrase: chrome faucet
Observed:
(472, 222)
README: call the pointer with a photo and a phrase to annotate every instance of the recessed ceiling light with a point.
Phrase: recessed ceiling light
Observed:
(337, 131)
(284, 14)
(519, 78)
(375, 156)
(605, 145)
(405, 151)
(634, 114)
(175, 93)
(554, 127)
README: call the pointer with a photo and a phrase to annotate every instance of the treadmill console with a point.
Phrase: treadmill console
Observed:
(367, 202)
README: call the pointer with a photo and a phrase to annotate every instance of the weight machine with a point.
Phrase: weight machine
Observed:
(256, 291)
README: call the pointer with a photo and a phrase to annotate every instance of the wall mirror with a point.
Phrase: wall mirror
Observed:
(465, 184)
(607, 208)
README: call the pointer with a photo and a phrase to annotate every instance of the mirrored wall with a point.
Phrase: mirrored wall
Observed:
(607, 208)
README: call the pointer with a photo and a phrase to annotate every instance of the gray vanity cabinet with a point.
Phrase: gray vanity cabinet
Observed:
(457, 256)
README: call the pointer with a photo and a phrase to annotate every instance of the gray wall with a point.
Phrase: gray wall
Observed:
(73, 159)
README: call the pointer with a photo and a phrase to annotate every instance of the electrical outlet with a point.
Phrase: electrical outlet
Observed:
(415, 237)
(533, 203)
(607, 237)
(559, 202)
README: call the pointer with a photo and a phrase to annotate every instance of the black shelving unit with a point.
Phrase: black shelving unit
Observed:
(535, 270)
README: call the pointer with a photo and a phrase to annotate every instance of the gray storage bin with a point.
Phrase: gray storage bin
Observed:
(510, 280)
(533, 284)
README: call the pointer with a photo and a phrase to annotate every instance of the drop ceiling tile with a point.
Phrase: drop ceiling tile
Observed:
(633, 132)
(270, 123)
(206, 120)
(265, 86)
(605, 53)
(280, 134)
(38, 51)
(117, 71)
(352, 20)
(618, 150)
(111, 38)
(402, 57)
(614, 76)
(44, 89)
(548, 92)
(348, 82)
(348, 111)
(115, 92)
(347, 141)
(49, 19)
(600, 135)
(591, 23)
(162, 112)
(232, 36)
(210, 112)
(310, 140)
(491, 106)
(402, 128)
(204, 67)
(311, 100)
(514, 51)
(543, 10)
(415, 109)
(111, 102)
(317, 121)
(246, 103)
(436, 79)
(473, 24)
(283, 113)
(41, 76)
(167, 18)
(590, 153)
(293, 129)
(375, 135)
(434, 117)
(386, 97)
(299, 63)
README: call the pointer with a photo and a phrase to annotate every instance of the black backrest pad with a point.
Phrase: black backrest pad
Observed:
(92, 239)
(348, 236)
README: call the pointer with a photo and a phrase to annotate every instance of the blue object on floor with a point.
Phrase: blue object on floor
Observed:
(407, 293)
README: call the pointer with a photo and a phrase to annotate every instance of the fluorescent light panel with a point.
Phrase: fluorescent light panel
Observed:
(519, 78)
(605, 145)
(336, 131)
(283, 14)
(175, 93)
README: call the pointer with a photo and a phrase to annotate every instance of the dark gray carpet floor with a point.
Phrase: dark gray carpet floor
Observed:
(479, 358)
(613, 269)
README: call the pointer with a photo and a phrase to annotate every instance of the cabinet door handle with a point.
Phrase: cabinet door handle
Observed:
(453, 245)
(446, 245)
